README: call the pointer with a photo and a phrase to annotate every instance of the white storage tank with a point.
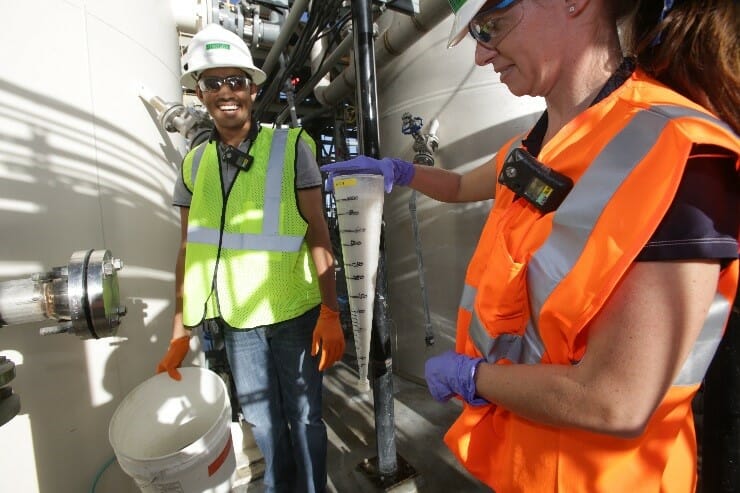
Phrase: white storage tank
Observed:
(84, 165)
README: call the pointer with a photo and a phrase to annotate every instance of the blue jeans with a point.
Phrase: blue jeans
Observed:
(279, 386)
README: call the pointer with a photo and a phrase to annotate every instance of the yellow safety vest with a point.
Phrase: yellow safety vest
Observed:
(247, 260)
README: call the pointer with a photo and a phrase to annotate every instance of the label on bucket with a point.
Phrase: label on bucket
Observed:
(175, 487)
(216, 464)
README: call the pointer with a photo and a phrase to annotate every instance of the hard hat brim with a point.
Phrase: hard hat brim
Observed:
(462, 19)
(465, 14)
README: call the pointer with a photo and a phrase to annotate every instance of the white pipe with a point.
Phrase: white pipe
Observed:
(286, 31)
(190, 15)
(318, 50)
(433, 127)
(403, 31)
(316, 54)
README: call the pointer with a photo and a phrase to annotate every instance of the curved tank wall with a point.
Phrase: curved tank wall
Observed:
(476, 115)
(84, 165)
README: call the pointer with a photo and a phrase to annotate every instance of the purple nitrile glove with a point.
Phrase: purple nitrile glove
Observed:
(453, 373)
(394, 171)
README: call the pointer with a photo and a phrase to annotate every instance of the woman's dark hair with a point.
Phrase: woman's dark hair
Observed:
(695, 49)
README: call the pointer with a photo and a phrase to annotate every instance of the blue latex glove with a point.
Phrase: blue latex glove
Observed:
(452, 373)
(394, 171)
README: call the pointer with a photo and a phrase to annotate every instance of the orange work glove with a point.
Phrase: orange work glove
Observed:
(175, 354)
(329, 336)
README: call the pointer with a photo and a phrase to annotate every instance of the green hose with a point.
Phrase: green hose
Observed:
(100, 473)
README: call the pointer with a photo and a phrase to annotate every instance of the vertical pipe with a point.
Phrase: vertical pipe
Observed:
(369, 139)
(367, 93)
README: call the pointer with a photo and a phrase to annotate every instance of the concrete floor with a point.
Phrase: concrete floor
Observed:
(425, 464)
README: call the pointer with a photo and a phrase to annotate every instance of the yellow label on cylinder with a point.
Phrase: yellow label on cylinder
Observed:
(345, 182)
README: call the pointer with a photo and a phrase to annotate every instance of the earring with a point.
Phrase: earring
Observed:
(571, 9)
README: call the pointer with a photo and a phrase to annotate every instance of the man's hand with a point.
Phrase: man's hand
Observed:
(394, 171)
(450, 374)
(328, 337)
(175, 355)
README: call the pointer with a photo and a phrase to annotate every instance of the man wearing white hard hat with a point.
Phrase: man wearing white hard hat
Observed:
(256, 264)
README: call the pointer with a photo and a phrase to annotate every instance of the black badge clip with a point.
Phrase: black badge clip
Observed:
(235, 157)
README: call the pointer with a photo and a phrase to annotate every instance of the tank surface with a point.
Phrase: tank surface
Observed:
(84, 165)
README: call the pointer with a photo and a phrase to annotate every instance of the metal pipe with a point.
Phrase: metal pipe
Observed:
(339, 52)
(82, 296)
(319, 80)
(25, 300)
(403, 31)
(316, 57)
(428, 330)
(369, 139)
(367, 91)
(193, 124)
(286, 31)
(425, 146)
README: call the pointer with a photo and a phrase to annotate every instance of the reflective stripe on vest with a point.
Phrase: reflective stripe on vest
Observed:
(197, 156)
(697, 363)
(245, 241)
(269, 239)
(572, 225)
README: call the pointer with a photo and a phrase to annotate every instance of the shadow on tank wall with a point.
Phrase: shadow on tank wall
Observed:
(75, 180)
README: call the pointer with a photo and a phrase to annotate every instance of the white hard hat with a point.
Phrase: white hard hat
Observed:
(213, 47)
(464, 11)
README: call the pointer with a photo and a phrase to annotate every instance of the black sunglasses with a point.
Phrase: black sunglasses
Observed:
(214, 84)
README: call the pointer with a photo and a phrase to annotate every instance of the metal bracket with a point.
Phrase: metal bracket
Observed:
(404, 474)
(410, 7)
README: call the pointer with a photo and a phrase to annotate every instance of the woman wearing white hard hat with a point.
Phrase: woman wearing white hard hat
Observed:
(605, 275)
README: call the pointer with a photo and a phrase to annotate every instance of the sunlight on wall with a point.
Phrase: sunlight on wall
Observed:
(84, 165)
(20, 434)
(21, 206)
(14, 356)
(10, 269)
(132, 271)
(97, 353)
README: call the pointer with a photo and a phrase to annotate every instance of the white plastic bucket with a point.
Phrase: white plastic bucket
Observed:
(171, 435)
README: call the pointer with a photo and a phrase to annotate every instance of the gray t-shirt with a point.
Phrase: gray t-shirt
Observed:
(307, 172)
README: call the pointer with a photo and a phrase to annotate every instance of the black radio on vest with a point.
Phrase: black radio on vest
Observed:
(541, 186)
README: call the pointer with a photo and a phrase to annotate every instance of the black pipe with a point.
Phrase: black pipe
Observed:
(367, 91)
(720, 440)
(369, 140)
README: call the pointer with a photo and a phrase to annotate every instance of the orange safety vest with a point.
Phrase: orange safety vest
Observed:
(536, 281)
